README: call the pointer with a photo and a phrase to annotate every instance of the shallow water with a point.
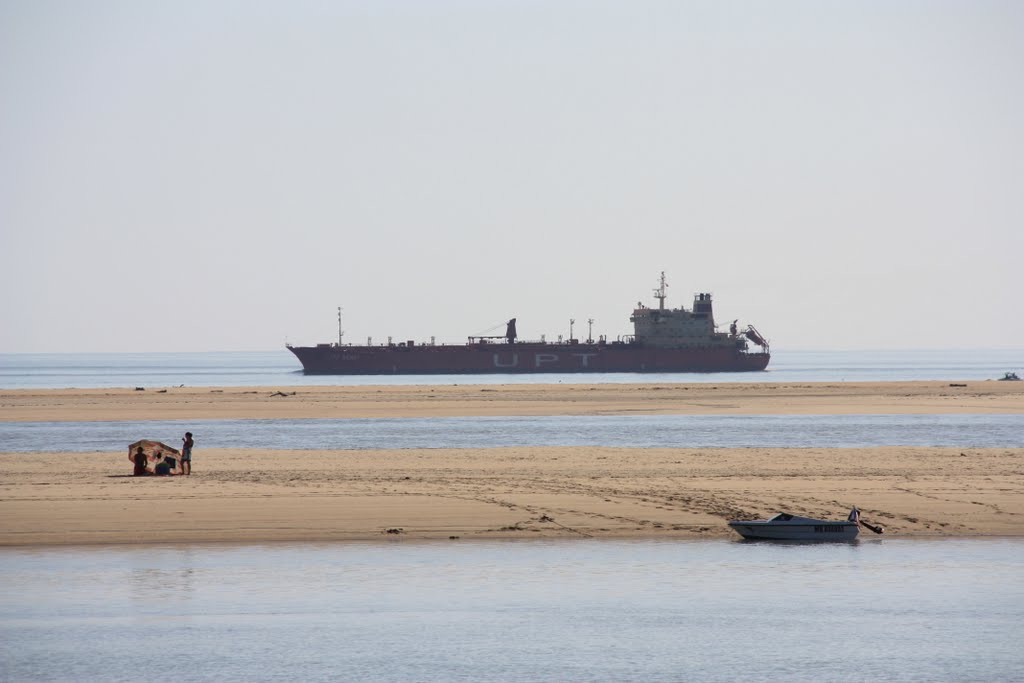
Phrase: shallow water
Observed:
(886, 609)
(636, 431)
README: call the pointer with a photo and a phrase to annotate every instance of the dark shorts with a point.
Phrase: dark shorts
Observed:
(186, 456)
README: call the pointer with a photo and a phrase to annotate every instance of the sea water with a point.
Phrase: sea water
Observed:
(281, 368)
(892, 610)
(629, 431)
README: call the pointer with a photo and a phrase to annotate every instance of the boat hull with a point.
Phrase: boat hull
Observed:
(520, 359)
(817, 530)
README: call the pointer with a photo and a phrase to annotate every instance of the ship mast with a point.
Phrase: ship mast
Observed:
(659, 293)
(339, 326)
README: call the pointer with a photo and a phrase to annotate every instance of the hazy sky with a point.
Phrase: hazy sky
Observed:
(217, 175)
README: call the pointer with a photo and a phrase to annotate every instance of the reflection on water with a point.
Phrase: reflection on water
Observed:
(147, 584)
(516, 611)
(638, 431)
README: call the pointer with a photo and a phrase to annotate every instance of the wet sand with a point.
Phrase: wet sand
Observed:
(464, 494)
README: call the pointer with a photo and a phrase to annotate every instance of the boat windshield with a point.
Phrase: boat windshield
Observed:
(781, 517)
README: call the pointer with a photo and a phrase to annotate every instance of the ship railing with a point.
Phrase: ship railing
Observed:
(477, 341)
(487, 340)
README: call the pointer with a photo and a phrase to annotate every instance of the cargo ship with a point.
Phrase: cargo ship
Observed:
(663, 340)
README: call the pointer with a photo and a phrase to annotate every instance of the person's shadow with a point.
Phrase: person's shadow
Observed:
(148, 476)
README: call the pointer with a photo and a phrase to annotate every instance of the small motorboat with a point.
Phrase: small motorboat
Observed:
(1010, 377)
(787, 527)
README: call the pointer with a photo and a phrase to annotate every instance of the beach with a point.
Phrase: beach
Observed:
(264, 495)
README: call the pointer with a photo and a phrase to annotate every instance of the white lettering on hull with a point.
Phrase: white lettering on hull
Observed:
(539, 359)
(499, 364)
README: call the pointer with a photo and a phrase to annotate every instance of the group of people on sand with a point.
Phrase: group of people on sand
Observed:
(162, 468)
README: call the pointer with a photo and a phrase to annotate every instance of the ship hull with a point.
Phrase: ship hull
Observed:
(520, 359)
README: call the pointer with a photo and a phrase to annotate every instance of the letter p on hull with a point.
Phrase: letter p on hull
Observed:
(542, 358)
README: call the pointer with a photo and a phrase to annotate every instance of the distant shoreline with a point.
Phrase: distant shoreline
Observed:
(807, 398)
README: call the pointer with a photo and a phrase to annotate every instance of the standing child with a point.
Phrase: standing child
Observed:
(186, 454)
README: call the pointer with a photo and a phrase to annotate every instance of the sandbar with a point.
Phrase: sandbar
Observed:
(815, 398)
(457, 495)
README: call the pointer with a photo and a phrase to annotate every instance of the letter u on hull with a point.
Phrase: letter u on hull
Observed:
(513, 364)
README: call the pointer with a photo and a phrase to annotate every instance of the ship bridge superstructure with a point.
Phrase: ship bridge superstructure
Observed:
(681, 328)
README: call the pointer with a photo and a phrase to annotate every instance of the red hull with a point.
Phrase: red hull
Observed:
(521, 359)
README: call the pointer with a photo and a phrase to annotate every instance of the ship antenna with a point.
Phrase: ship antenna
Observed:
(340, 333)
(590, 330)
(659, 293)
(572, 321)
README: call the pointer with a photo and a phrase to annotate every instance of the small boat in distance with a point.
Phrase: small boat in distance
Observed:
(1010, 377)
(787, 527)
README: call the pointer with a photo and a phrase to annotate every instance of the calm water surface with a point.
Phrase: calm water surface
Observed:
(636, 431)
(281, 368)
(892, 610)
